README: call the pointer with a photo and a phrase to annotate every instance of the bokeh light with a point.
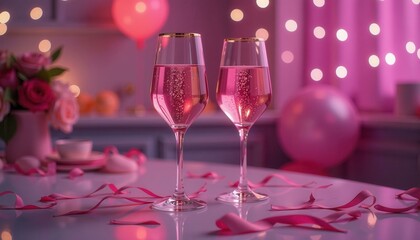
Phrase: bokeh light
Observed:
(374, 29)
(263, 3)
(44, 45)
(4, 17)
(237, 15)
(374, 61)
(410, 47)
(75, 90)
(316, 74)
(3, 29)
(417, 2)
(287, 56)
(262, 33)
(291, 25)
(319, 3)
(319, 32)
(342, 35)
(341, 72)
(141, 7)
(6, 235)
(418, 53)
(36, 13)
(390, 59)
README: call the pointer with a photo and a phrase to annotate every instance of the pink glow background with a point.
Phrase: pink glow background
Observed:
(103, 58)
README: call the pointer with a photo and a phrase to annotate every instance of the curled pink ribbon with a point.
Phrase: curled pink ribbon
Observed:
(56, 196)
(358, 201)
(235, 225)
(116, 193)
(51, 170)
(207, 175)
(310, 204)
(122, 222)
(19, 204)
(264, 182)
(97, 205)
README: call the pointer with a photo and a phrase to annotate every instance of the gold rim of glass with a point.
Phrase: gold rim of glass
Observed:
(179, 34)
(245, 39)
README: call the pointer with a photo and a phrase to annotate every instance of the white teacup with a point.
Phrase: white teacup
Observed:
(74, 148)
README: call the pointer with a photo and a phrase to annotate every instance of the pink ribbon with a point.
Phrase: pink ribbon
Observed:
(207, 175)
(412, 192)
(115, 194)
(136, 154)
(19, 204)
(131, 199)
(264, 182)
(56, 196)
(122, 222)
(310, 204)
(51, 170)
(233, 224)
(358, 200)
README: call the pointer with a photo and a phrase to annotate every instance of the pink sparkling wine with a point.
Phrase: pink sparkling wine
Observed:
(243, 93)
(179, 93)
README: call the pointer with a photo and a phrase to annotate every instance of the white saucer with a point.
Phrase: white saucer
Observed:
(94, 165)
(94, 156)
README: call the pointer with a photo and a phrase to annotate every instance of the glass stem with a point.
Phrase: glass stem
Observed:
(179, 188)
(243, 180)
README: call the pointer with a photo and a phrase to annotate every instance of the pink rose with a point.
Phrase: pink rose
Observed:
(36, 95)
(65, 112)
(4, 105)
(8, 78)
(31, 63)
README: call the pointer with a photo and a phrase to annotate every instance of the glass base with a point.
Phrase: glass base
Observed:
(180, 204)
(245, 196)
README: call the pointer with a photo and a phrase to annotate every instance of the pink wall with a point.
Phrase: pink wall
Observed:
(103, 58)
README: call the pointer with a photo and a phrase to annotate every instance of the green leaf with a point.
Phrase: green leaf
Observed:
(10, 61)
(44, 75)
(8, 127)
(9, 95)
(56, 71)
(56, 54)
(21, 76)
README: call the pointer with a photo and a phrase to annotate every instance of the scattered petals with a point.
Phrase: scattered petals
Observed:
(75, 172)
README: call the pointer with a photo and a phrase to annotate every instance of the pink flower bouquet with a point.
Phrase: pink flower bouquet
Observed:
(28, 83)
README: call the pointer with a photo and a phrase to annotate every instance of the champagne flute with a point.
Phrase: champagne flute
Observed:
(179, 94)
(243, 93)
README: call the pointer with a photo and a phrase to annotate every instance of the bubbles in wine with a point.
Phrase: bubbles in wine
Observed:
(174, 85)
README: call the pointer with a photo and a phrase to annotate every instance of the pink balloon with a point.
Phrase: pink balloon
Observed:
(319, 125)
(139, 19)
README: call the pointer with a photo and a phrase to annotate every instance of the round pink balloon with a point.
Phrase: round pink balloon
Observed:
(319, 125)
(139, 19)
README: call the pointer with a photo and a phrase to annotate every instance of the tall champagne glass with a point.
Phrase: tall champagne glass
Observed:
(243, 93)
(179, 94)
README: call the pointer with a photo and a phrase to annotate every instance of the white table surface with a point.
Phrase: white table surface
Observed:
(159, 176)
